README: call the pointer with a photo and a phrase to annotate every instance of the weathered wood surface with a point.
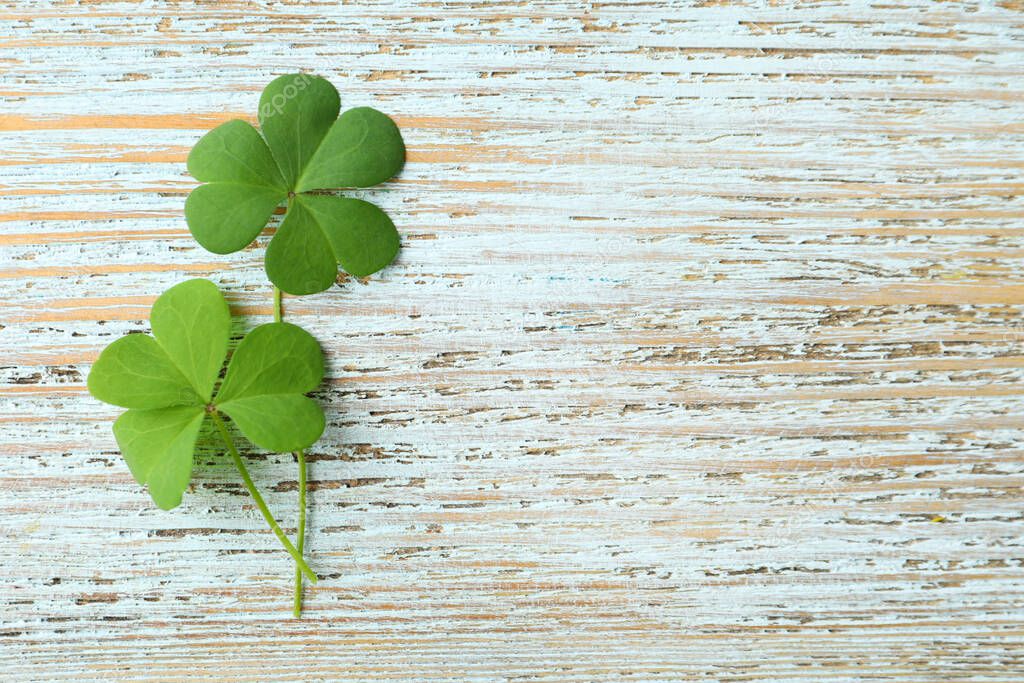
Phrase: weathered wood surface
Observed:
(702, 358)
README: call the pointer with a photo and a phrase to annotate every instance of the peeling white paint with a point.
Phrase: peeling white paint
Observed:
(702, 359)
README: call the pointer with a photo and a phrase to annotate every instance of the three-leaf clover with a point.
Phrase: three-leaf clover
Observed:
(304, 147)
(167, 382)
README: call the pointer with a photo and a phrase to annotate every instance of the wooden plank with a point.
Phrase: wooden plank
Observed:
(702, 358)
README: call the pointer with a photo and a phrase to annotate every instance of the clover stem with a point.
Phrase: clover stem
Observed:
(300, 536)
(254, 492)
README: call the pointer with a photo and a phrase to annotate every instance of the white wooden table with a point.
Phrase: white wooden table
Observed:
(702, 358)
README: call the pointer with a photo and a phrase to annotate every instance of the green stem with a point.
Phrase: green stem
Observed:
(300, 537)
(254, 492)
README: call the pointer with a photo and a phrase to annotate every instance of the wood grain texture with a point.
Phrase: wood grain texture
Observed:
(702, 359)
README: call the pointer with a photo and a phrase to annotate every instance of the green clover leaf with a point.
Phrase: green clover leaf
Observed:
(167, 383)
(304, 147)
